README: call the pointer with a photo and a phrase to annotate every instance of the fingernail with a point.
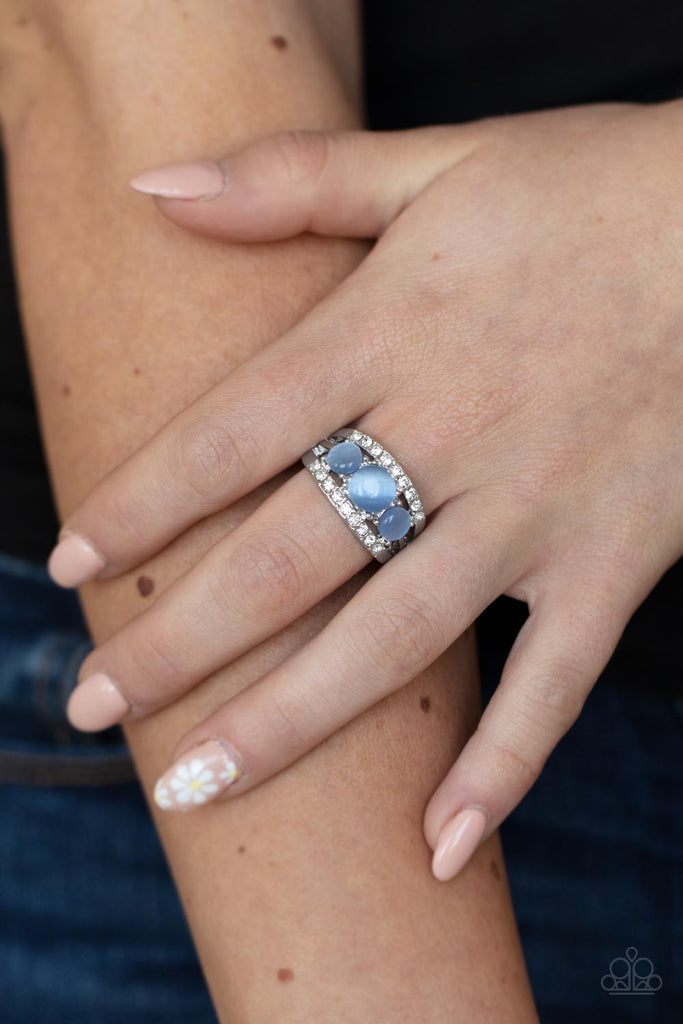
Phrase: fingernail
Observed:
(201, 775)
(96, 703)
(202, 179)
(458, 840)
(74, 561)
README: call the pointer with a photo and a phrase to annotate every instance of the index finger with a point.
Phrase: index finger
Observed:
(243, 431)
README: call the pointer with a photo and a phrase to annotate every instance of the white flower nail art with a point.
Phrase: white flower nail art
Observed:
(197, 778)
(229, 773)
(193, 782)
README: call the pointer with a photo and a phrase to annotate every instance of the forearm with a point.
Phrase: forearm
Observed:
(128, 320)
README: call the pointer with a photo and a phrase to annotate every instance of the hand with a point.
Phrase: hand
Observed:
(514, 340)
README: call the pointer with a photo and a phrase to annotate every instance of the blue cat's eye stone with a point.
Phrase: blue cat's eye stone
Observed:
(394, 523)
(344, 457)
(372, 488)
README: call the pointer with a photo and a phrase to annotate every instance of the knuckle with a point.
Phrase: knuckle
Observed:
(386, 343)
(285, 721)
(512, 761)
(152, 651)
(468, 413)
(302, 155)
(398, 636)
(209, 452)
(272, 572)
(126, 514)
(554, 699)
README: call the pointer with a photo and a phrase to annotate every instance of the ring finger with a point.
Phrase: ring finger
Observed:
(267, 572)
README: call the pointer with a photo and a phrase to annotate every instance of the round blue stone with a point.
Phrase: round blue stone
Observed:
(372, 488)
(394, 523)
(344, 457)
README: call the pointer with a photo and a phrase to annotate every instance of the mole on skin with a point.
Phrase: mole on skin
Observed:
(66, 390)
(285, 974)
(145, 586)
(425, 704)
(241, 849)
(279, 42)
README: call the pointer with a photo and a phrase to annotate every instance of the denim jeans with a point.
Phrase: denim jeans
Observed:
(91, 929)
(90, 926)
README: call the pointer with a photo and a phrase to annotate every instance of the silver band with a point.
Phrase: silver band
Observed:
(362, 523)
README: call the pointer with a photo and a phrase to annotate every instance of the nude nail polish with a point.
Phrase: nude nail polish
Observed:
(457, 842)
(96, 703)
(74, 561)
(202, 179)
(199, 776)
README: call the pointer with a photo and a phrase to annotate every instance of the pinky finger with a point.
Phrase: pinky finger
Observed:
(554, 664)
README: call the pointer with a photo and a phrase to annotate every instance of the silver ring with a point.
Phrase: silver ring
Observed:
(376, 506)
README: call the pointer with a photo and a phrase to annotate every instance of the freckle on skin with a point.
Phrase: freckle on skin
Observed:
(241, 849)
(279, 42)
(425, 704)
(285, 974)
(436, 256)
(495, 870)
(66, 390)
(136, 371)
(145, 585)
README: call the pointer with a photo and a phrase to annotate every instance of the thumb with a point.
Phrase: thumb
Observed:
(347, 184)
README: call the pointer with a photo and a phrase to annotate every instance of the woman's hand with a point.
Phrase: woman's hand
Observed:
(514, 340)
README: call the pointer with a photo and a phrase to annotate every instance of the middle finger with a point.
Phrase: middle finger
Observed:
(278, 563)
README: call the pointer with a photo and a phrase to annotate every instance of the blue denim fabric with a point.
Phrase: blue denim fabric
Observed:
(90, 926)
(595, 858)
(91, 929)
(595, 855)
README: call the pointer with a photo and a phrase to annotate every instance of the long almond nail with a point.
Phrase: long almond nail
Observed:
(197, 180)
(96, 703)
(74, 561)
(458, 840)
(198, 777)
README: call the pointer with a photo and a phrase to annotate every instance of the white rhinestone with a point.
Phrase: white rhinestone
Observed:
(346, 508)
(337, 495)
(418, 517)
(395, 469)
(416, 506)
(403, 481)
(355, 435)
(328, 485)
(378, 549)
(355, 519)
(370, 540)
(385, 459)
(411, 493)
(365, 440)
(362, 529)
(376, 449)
